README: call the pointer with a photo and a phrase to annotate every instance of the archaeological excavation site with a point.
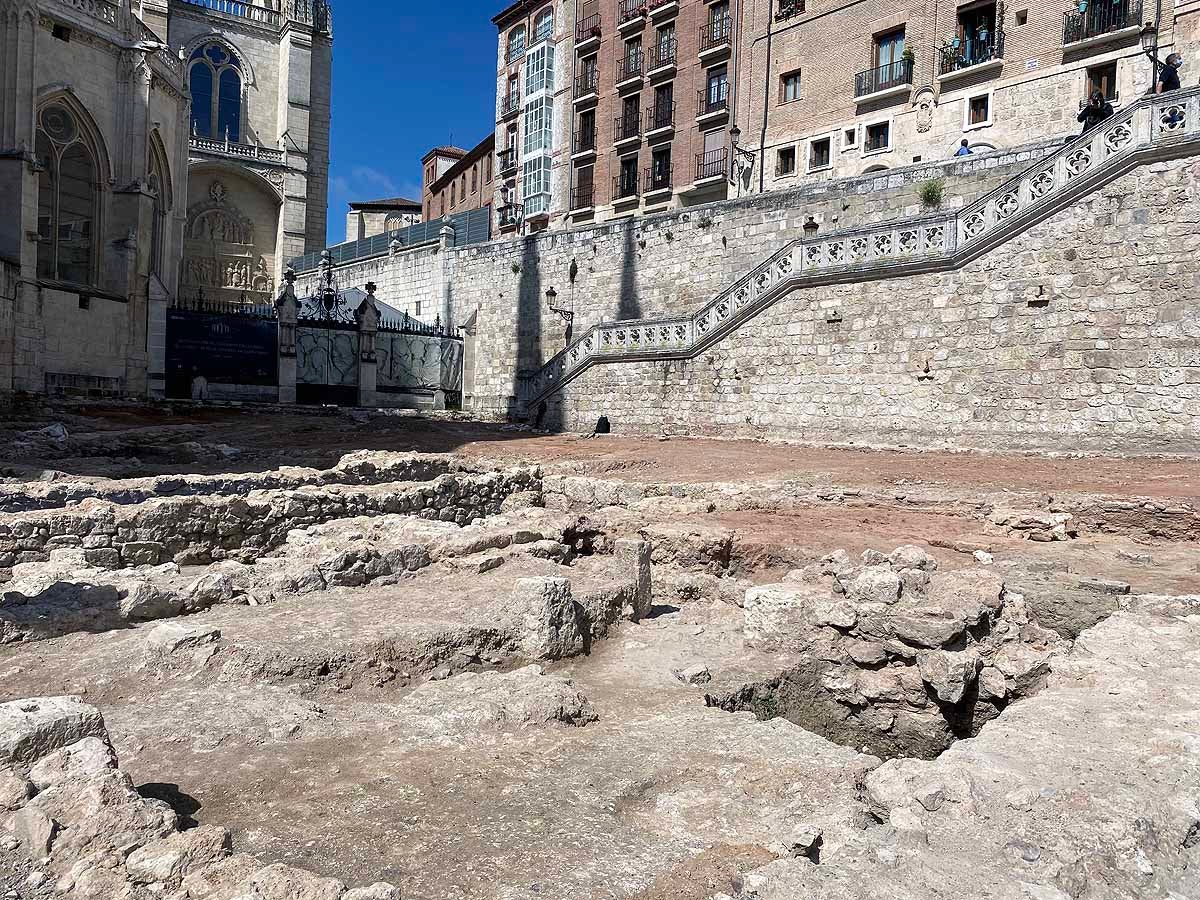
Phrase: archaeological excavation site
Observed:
(352, 656)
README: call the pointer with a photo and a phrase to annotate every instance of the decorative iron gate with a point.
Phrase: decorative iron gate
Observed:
(327, 345)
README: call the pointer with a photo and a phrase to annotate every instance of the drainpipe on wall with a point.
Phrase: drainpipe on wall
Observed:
(762, 140)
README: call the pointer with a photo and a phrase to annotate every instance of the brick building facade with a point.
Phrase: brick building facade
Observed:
(455, 180)
(652, 96)
(834, 88)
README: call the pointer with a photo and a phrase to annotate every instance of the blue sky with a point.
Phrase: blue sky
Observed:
(407, 77)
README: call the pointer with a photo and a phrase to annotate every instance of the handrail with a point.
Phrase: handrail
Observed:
(1160, 127)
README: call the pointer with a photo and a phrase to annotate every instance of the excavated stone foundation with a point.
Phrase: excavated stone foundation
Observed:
(526, 667)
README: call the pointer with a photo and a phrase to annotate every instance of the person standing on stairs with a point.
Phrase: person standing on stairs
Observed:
(1096, 111)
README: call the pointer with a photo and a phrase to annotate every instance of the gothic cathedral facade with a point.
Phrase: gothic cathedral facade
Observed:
(151, 153)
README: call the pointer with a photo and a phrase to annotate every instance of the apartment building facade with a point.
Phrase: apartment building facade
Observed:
(652, 103)
(533, 115)
(835, 88)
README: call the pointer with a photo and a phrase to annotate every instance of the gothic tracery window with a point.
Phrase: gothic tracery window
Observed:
(215, 76)
(68, 197)
(160, 184)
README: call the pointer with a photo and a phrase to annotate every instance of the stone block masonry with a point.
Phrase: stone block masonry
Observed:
(1080, 334)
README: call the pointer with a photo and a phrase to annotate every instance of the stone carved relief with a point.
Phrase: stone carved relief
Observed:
(228, 273)
(221, 226)
(925, 107)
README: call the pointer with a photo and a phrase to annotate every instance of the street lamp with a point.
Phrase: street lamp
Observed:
(1149, 35)
(743, 160)
(811, 228)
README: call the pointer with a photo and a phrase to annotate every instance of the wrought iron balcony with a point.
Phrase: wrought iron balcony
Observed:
(662, 54)
(713, 101)
(584, 140)
(583, 196)
(628, 10)
(1100, 19)
(506, 160)
(509, 105)
(587, 82)
(586, 29)
(659, 4)
(716, 34)
(893, 75)
(510, 216)
(712, 164)
(972, 52)
(625, 185)
(657, 178)
(631, 66)
(627, 127)
(661, 115)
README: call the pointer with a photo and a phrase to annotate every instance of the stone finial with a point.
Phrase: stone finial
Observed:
(289, 275)
(370, 288)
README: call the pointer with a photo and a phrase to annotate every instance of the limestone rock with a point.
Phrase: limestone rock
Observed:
(875, 584)
(15, 791)
(549, 626)
(912, 557)
(697, 673)
(949, 674)
(31, 729)
(34, 831)
(173, 637)
(173, 858)
(471, 702)
(379, 891)
(280, 882)
(91, 756)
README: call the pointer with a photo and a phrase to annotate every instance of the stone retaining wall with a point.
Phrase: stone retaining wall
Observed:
(1081, 334)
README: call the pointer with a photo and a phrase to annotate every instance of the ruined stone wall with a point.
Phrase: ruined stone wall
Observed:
(1082, 333)
(198, 528)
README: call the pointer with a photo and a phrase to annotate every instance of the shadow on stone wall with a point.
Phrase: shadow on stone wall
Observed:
(628, 306)
(531, 350)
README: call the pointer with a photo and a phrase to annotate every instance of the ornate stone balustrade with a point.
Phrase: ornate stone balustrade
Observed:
(1153, 128)
(237, 151)
(100, 10)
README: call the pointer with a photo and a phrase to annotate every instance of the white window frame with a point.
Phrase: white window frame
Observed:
(539, 127)
(857, 137)
(535, 185)
(809, 169)
(539, 71)
(991, 99)
(891, 145)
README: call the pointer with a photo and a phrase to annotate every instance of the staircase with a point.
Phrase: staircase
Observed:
(1150, 130)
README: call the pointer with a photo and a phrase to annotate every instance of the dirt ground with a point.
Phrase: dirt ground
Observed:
(662, 798)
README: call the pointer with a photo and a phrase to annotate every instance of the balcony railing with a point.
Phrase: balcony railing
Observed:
(241, 151)
(712, 164)
(588, 28)
(884, 78)
(713, 101)
(658, 4)
(587, 82)
(625, 185)
(628, 10)
(661, 115)
(972, 52)
(627, 127)
(631, 65)
(584, 140)
(509, 105)
(717, 33)
(583, 197)
(506, 160)
(510, 216)
(657, 178)
(1100, 19)
(663, 53)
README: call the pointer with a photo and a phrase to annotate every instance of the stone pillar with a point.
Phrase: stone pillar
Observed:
(367, 317)
(287, 311)
(445, 290)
